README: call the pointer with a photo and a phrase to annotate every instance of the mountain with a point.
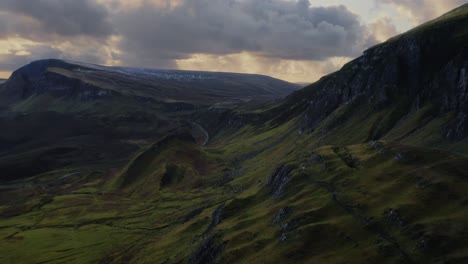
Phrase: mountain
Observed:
(367, 165)
(89, 81)
(399, 90)
(61, 114)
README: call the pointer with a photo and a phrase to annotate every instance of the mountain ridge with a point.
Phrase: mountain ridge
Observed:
(367, 165)
(155, 84)
(412, 72)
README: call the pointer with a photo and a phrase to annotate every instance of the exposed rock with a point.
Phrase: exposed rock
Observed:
(216, 218)
(209, 249)
(378, 146)
(206, 252)
(405, 67)
(458, 129)
(277, 181)
(393, 216)
(285, 227)
(402, 157)
(283, 237)
(289, 228)
(281, 215)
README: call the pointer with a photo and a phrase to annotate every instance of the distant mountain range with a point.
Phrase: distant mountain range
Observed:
(64, 77)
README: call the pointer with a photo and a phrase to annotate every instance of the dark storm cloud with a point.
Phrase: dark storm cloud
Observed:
(13, 25)
(270, 28)
(152, 35)
(60, 17)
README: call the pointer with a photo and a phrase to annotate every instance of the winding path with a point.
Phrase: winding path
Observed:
(199, 133)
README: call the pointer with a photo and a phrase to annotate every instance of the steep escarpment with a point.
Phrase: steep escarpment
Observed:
(423, 68)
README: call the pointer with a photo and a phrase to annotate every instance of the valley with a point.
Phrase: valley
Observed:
(127, 165)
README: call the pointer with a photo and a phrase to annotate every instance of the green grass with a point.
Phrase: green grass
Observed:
(96, 220)
(401, 199)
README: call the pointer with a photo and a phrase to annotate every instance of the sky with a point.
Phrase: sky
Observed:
(294, 40)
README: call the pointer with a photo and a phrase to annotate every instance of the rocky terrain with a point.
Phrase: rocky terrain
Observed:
(425, 74)
(123, 165)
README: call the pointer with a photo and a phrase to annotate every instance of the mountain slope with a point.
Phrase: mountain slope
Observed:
(51, 106)
(408, 87)
(368, 165)
(89, 81)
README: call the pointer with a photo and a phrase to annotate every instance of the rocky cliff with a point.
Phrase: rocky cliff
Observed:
(425, 66)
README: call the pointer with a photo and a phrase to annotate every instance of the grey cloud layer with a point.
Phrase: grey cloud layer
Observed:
(269, 28)
(155, 36)
(60, 17)
(84, 23)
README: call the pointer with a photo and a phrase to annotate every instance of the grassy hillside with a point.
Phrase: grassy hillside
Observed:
(63, 115)
(362, 203)
(368, 165)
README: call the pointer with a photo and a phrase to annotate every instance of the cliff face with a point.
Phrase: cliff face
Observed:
(425, 66)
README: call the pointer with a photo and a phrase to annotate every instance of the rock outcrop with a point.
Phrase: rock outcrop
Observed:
(277, 182)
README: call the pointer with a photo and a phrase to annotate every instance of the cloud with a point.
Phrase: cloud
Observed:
(65, 18)
(267, 28)
(290, 39)
(383, 29)
(291, 70)
(63, 29)
(423, 10)
(24, 51)
(12, 25)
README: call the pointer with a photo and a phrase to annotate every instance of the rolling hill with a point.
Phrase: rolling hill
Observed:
(118, 165)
